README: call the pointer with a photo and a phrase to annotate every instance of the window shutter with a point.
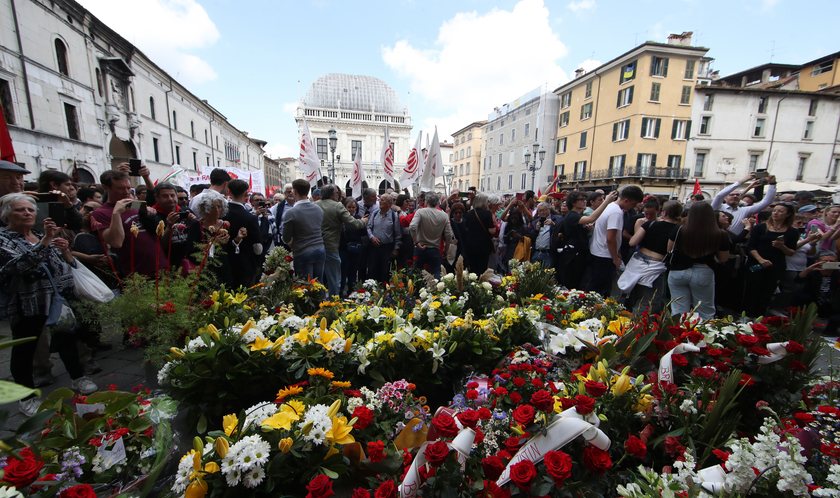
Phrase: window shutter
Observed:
(687, 129)
(630, 97)
(665, 67)
(653, 65)
(615, 131)
(644, 126)
(611, 163)
(653, 160)
(618, 101)
(638, 160)
(581, 112)
(674, 130)
(656, 131)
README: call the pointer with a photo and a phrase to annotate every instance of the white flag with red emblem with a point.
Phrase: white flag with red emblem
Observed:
(387, 158)
(309, 162)
(358, 175)
(434, 166)
(412, 169)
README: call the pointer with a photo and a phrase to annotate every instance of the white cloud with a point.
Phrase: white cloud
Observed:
(466, 83)
(279, 150)
(179, 27)
(767, 5)
(589, 64)
(582, 5)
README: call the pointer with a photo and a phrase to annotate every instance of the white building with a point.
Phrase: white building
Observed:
(75, 92)
(509, 133)
(359, 108)
(736, 130)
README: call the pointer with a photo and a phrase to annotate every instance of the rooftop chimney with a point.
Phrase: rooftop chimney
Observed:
(683, 39)
(579, 72)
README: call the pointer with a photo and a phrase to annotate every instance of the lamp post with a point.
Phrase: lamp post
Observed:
(448, 176)
(333, 142)
(532, 166)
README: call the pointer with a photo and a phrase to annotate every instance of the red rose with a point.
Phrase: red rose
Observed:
(468, 418)
(320, 487)
(484, 413)
(694, 336)
(746, 340)
(492, 490)
(445, 425)
(364, 416)
(596, 460)
(512, 444)
(436, 453)
(376, 451)
(360, 493)
(797, 366)
(559, 466)
(386, 490)
(516, 398)
(679, 360)
(78, 491)
(714, 353)
(21, 473)
(288, 258)
(500, 392)
(595, 389)
(522, 474)
(584, 404)
(566, 403)
(543, 400)
(635, 447)
(676, 331)
(493, 467)
(794, 347)
(524, 415)
(759, 329)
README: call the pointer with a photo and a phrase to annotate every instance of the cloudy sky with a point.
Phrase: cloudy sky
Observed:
(457, 59)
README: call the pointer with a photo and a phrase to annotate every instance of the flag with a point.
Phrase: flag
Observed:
(175, 172)
(250, 183)
(434, 166)
(411, 171)
(358, 175)
(539, 193)
(309, 162)
(75, 176)
(7, 151)
(696, 186)
(629, 71)
(387, 158)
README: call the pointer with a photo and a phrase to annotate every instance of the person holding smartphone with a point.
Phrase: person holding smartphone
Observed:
(175, 219)
(769, 245)
(822, 287)
(729, 200)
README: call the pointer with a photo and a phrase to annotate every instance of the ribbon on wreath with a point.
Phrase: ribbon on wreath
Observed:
(666, 366)
(713, 479)
(777, 352)
(565, 427)
(462, 444)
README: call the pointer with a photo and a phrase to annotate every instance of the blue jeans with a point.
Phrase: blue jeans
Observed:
(695, 287)
(311, 264)
(544, 258)
(429, 256)
(332, 274)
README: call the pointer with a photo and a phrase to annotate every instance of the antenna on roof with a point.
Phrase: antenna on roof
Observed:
(636, 38)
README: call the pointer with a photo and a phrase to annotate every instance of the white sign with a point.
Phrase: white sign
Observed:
(113, 456)
(83, 409)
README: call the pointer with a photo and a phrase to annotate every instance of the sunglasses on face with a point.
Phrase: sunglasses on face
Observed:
(88, 209)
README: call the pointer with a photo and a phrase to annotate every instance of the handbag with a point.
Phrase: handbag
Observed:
(88, 286)
(669, 258)
(61, 319)
(354, 247)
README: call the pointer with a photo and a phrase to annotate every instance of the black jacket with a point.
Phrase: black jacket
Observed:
(244, 264)
(555, 232)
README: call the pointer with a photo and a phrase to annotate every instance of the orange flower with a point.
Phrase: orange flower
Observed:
(320, 372)
(289, 391)
(341, 384)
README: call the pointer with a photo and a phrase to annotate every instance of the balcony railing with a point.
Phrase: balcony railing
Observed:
(630, 172)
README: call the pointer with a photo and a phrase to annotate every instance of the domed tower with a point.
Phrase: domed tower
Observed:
(359, 108)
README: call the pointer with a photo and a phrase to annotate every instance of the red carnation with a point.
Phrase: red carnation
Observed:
(364, 416)
(596, 460)
(543, 400)
(522, 474)
(595, 389)
(516, 398)
(484, 413)
(376, 451)
(524, 415)
(436, 453)
(635, 447)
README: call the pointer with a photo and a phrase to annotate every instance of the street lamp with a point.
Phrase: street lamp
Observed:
(448, 176)
(532, 166)
(333, 142)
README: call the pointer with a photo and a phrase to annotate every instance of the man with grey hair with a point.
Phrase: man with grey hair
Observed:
(368, 206)
(278, 210)
(336, 217)
(427, 227)
(544, 231)
(385, 234)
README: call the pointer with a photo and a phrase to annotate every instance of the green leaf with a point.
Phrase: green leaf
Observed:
(16, 342)
(35, 422)
(59, 395)
(139, 424)
(201, 426)
(376, 375)
(9, 392)
(329, 473)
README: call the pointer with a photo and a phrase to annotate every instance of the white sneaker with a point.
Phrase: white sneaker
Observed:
(84, 385)
(30, 406)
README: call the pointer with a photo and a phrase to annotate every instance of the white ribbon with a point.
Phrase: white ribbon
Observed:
(462, 444)
(777, 352)
(565, 427)
(713, 479)
(666, 367)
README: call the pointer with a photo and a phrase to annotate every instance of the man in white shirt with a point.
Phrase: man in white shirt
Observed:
(606, 242)
(218, 186)
(733, 200)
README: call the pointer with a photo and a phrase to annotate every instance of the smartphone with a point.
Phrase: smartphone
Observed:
(762, 173)
(813, 228)
(463, 195)
(48, 197)
(831, 265)
(520, 197)
(136, 204)
(615, 187)
(135, 166)
(262, 204)
(780, 237)
(56, 213)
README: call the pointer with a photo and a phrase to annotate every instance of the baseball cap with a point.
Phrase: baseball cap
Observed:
(317, 191)
(9, 166)
(808, 208)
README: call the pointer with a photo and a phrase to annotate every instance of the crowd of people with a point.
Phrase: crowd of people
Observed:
(740, 251)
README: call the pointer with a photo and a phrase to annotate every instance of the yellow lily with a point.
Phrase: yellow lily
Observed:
(339, 434)
(261, 344)
(285, 444)
(229, 423)
(621, 384)
(643, 403)
(281, 420)
(213, 332)
(302, 336)
(246, 327)
(325, 337)
(222, 447)
(334, 409)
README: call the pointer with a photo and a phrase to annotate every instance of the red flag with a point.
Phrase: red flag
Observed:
(7, 151)
(539, 193)
(696, 186)
(75, 176)
(250, 183)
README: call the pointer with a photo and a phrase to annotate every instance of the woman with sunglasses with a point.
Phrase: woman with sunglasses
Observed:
(769, 245)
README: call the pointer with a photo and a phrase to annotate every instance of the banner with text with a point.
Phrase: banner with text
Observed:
(255, 179)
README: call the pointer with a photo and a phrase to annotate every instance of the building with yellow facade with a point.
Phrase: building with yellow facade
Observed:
(821, 74)
(467, 156)
(628, 120)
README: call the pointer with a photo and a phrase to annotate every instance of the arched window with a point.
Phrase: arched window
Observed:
(61, 57)
(174, 120)
(99, 81)
(152, 107)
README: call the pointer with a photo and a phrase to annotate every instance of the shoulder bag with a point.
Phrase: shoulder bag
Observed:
(492, 247)
(669, 258)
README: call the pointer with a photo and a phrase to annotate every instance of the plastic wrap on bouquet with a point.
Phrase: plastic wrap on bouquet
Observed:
(566, 426)
(462, 444)
(712, 479)
(666, 366)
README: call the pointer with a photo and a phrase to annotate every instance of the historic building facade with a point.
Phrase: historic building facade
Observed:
(466, 161)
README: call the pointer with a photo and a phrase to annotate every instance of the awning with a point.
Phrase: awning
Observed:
(792, 186)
